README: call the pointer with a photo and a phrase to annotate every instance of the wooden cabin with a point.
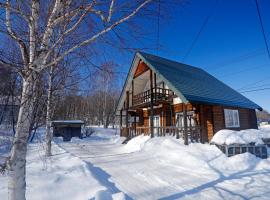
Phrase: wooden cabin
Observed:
(163, 97)
(67, 129)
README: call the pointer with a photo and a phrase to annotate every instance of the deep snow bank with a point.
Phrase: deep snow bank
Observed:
(61, 176)
(137, 143)
(208, 157)
(241, 137)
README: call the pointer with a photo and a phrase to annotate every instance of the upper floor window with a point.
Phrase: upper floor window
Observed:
(231, 118)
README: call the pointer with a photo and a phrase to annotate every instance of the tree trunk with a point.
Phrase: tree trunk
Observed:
(17, 161)
(49, 116)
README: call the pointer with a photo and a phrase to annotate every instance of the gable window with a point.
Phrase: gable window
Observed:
(231, 118)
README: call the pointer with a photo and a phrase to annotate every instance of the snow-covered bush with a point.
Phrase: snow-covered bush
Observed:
(88, 131)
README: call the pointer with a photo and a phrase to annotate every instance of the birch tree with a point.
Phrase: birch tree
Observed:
(39, 28)
(57, 80)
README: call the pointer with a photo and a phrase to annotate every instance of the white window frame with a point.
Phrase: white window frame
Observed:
(154, 116)
(177, 124)
(231, 118)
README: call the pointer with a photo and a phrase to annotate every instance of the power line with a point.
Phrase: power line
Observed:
(237, 59)
(256, 90)
(200, 31)
(259, 86)
(255, 83)
(262, 28)
(158, 27)
(243, 70)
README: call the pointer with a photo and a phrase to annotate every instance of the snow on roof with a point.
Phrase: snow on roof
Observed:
(247, 136)
(68, 121)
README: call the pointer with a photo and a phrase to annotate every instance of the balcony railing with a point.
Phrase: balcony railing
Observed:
(193, 132)
(159, 94)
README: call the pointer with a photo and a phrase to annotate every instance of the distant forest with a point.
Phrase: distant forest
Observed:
(95, 104)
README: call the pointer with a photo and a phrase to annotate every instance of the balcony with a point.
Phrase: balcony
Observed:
(160, 95)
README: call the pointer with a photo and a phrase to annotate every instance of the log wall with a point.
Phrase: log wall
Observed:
(210, 117)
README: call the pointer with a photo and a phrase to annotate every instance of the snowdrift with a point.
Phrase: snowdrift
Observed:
(248, 136)
(137, 143)
(173, 152)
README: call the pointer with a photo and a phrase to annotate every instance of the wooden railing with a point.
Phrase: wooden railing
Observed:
(159, 94)
(192, 132)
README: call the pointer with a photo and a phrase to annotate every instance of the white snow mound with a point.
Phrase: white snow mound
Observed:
(136, 144)
(240, 137)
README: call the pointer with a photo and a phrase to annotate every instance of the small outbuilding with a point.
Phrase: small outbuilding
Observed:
(67, 129)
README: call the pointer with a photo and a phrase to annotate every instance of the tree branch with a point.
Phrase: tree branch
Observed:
(33, 29)
(58, 6)
(14, 36)
(17, 11)
(110, 11)
(75, 25)
(104, 31)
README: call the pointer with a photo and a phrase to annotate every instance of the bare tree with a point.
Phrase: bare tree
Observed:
(263, 116)
(49, 111)
(39, 28)
(104, 84)
(96, 104)
(57, 80)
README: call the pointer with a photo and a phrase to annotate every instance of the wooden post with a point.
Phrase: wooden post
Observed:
(121, 122)
(127, 106)
(135, 121)
(132, 92)
(151, 105)
(185, 124)
(155, 86)
(121, 115)
(202, 124)
(125, 109)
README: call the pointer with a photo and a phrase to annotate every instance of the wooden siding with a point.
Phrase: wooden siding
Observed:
(142, 67)
(206, 122)
(247, 118)
(253, 119)
(210, 117)
(218, 118)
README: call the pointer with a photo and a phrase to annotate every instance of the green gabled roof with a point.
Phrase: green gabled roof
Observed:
(194, 84)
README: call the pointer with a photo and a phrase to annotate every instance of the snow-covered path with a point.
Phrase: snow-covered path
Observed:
(158, 168)
(164, 169)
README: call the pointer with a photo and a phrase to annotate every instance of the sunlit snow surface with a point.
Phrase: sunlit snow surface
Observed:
(242, 137)
(159, 168)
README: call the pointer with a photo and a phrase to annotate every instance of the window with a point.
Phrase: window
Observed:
(179, 119)
(231, 118)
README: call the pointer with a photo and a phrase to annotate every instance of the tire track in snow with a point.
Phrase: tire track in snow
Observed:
(101, 175)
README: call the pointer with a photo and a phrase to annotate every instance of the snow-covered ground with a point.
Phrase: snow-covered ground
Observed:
(159, 168)
(5, 143)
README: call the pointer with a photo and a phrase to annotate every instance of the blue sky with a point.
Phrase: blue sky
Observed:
(230, 47)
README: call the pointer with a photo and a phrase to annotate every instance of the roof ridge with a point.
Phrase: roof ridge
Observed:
(170, 60)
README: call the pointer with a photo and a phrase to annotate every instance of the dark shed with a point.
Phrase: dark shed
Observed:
(67, 129)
